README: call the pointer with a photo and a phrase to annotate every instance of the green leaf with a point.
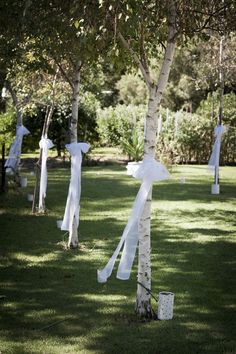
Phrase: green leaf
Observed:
(77, 24)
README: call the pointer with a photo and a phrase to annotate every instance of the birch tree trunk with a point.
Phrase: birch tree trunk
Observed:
(3, 179)
(47, 121)
(19, 122)
(221, 93)
(37, 167)
(143, 300)
(73, 235)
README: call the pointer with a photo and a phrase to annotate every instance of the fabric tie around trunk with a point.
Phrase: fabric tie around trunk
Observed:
(15, 149)
(149, 171)
(215, 155)
(44, 144)
(73, 199)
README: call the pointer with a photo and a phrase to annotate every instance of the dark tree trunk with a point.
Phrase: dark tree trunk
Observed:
(3, 179)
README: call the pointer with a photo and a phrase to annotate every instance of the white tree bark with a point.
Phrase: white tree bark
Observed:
(221, 93)
(143, 300)
(73, 235)
(19, 122)
(38, 169)
(143, 304)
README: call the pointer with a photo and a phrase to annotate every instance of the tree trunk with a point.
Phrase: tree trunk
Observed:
(143, 303)
(36, 185)
(19, 122)
(73, 235)
(3, 177)
(3, 180)
(47, 121)
(37, 167)
(221, 93)
(143, 300)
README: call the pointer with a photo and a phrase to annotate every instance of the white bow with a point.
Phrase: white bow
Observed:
(15, 149)
(149, 170)
(215, 155)
(44, 144)
(73, 198)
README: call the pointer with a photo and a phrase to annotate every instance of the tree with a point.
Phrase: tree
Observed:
(45, 144)
(195, 71)
(11, 50)
(69, 41)
(22, 81)
(142, 28)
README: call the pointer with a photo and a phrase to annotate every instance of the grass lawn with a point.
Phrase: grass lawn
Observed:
(53, 302)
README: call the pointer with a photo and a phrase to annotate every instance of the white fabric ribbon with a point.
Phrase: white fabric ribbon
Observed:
(149, 170)
(44, 144)
(215, 155)
(15, 149)
(73, 198)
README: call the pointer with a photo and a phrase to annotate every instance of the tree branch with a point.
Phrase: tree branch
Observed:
(146, 75)
(169, 52)
(12, 92)
(64, 74)
(142, 50)
(27, 5)
(52, 106)
(212, 14)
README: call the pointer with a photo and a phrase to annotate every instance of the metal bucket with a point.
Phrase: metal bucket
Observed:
(23, 182)
(59, 223)
(30, 197)
(215, 189)
(165, 305)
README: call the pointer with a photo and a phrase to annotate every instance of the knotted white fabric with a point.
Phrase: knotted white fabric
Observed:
(215, 155)
(15, 149)
(73, 199)
(44, 144)
(149, 170)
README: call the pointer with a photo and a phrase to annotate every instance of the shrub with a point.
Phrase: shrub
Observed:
(7, 127)
(133, 146)
(190, 137)
(185, 137)
(116, 123)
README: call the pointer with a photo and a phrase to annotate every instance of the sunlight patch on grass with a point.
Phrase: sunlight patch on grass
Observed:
(200, 327)
(104, 298)
(41, 313)
(31, 260)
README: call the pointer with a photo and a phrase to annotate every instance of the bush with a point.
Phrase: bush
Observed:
(189, 138)
(7, 127)
(184, 137)
(133, 146)
(116, 123)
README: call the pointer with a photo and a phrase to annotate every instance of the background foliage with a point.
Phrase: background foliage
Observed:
(183, 137)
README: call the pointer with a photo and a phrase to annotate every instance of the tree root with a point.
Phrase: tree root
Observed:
(144, 310)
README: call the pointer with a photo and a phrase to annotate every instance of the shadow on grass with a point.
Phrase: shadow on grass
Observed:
(45, 284)
(64, 288)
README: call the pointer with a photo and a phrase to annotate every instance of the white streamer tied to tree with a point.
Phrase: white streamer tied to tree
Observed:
(73, 198)
(149, 170)
(15, 149)
(44, 144)
(215, 155)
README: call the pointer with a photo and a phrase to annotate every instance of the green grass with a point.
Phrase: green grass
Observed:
(113, 153)
(193, 255)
